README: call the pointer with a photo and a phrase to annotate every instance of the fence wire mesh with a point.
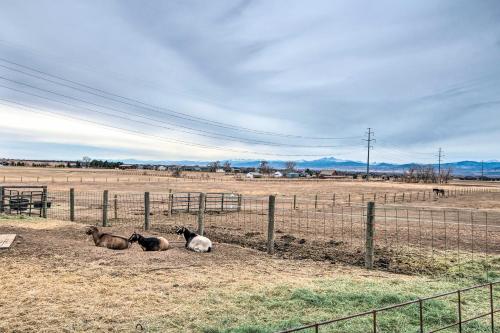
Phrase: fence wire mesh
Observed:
(314, 227)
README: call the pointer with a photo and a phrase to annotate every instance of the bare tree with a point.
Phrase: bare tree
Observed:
(265, 167)
(446, 175)
(86, 161)
(227, 166)
(421, 174)
(290, 166)
(213, 166)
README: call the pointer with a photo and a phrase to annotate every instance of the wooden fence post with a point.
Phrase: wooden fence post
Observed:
(189, 202)
(72, 204)
(170, 202)
(201, 214)
(105, 208)
(147, 210)
(294, 201)
(370, 232)
(316, 201)
(2, 195)
(44, 202)
(222, 203)
(333, 199)
(349, 202)
(239, 202)
(270, 224)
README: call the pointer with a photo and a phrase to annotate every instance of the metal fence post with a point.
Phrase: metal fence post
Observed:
(201, 214)
(72, 204)
(421, 314)
(170, 202)
(270, 224)
(370, 232)
(492, 309)
(115, 206)
(105, 208)
(147, 210)
(44, 202)
(239, 202)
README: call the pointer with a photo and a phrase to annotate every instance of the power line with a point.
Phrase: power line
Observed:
(206, 133)
(154, 108)
(135, 132)
(403, 149)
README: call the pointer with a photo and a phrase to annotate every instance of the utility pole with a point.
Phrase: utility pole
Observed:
(368, 146)
(440, 156)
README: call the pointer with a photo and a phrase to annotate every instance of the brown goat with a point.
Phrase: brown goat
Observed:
(107, 240)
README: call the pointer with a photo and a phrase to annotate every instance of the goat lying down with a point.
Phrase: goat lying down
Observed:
(149, 243)
(194, 241)
(107, 240)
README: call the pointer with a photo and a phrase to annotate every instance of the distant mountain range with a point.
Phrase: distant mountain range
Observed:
(464, 168)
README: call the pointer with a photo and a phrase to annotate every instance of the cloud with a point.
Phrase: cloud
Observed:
(422, 74)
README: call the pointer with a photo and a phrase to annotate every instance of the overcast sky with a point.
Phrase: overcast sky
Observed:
(203, 80)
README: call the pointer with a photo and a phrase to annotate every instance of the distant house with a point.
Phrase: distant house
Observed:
(277, 174)
(254, 175)
(292, 175)
(220, 171)
(325, 174)
(127, 166)
(161, 168)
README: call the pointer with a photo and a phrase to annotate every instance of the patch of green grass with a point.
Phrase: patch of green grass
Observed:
(14, 217)
(285, 307)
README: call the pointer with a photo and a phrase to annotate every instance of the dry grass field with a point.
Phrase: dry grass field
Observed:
(141, 181)
(55, 280)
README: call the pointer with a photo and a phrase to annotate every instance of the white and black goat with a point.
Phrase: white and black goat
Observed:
(194, 241)
(149, 243)
(107, 240)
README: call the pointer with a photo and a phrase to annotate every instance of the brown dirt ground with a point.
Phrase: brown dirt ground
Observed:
(55, 279)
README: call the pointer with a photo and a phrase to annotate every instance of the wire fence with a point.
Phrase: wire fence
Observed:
(407, 239)
(419, 315)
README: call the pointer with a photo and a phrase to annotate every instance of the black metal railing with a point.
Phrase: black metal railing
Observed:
(459, 323)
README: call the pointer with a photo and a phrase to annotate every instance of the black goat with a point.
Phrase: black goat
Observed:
(149, 243)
